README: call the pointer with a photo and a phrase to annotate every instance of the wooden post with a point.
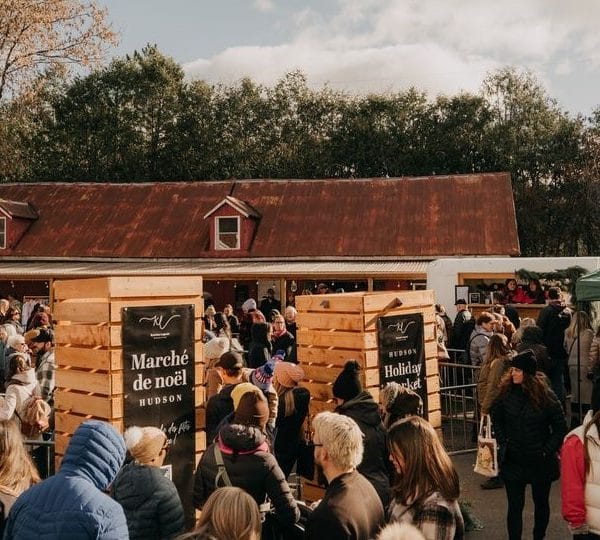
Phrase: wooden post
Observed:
(89, 349)
(335, 328)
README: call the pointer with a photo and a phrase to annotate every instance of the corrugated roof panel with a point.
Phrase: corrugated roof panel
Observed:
(397, 217)
(404, 217)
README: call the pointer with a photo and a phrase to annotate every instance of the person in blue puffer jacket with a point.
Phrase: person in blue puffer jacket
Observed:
(71, 504)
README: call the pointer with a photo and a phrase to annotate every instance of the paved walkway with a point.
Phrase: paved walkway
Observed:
(490, 506)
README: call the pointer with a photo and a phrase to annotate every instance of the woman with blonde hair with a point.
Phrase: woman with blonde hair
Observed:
(228, 513)
(427, 488)
(577, 343)
(517, 337)
(291, 413)
(594, 358)
(496, 364)
(17, 471)
(210, 324)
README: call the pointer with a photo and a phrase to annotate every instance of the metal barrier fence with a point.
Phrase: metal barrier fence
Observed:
(42, 453)
(460, 409)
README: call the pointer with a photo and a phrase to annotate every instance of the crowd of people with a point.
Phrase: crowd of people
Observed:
(534, 377)
(27, 371)
(384, 470)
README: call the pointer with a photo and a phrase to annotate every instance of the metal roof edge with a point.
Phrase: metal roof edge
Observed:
(237, 260)
(254, 180)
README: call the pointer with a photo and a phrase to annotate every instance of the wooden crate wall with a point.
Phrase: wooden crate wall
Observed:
(335, 328)
(89, 353)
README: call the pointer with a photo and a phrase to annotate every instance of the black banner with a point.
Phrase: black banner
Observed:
(158, 361)
(402, 353)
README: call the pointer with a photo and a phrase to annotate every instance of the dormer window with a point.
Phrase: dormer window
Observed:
(2, 233)
(232, 227)
(15, 219)
(227, 232)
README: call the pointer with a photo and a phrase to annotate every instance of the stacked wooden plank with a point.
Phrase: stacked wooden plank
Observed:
(89, 352)
(335, 328)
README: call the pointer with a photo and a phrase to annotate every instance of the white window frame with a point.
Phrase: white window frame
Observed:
(3, 232)
(220, 246)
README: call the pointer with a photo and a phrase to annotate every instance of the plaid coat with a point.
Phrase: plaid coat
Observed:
(435, 517)
(45, 372)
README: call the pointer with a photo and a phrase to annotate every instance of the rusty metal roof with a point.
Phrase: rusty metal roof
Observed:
(403, 218)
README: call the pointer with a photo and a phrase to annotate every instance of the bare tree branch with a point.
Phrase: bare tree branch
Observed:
(35, 35)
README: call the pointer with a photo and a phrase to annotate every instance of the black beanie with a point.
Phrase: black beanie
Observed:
(347, 385)
(526, 361)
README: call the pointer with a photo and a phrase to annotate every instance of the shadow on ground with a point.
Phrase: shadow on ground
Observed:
(489, 506)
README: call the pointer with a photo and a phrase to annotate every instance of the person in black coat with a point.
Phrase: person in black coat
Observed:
(363, 409)
(291, 413)
(269, 303)
(350, 508)
(234, 322)
(242, 444)
(260, 345)
(529, 425)
(554, 319)
(533, 338)
(219, 406)
(149, 499)
(282, 339)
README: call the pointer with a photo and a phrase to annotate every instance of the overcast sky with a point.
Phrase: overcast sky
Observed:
(440, 46)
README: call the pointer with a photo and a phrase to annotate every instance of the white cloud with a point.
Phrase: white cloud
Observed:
(435, 45)
(263, 5)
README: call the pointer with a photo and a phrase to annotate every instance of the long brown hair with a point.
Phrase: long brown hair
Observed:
(427, 466)
(580, 321)
(497, 347)
(595, 421)
(17, 471)
(535, 387)
(287, 394)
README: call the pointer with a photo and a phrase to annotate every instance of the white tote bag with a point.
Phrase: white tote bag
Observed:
(487, 449)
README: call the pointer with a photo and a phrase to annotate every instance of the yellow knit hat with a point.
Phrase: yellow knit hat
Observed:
(239, 390)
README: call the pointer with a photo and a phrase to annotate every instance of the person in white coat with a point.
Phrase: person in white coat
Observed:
(580, 474)
(21, 384)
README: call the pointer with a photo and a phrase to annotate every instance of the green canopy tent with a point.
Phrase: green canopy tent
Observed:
(588, 287)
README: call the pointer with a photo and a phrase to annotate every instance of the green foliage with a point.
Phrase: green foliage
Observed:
(138, 119)
(566, 279)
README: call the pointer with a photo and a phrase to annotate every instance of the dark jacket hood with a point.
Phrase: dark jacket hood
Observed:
(241, 438)
(96, 452)
(362, 408)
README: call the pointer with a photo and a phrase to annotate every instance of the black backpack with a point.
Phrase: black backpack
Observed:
(465, 333)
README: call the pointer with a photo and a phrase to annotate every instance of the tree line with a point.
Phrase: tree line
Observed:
(139, 119)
